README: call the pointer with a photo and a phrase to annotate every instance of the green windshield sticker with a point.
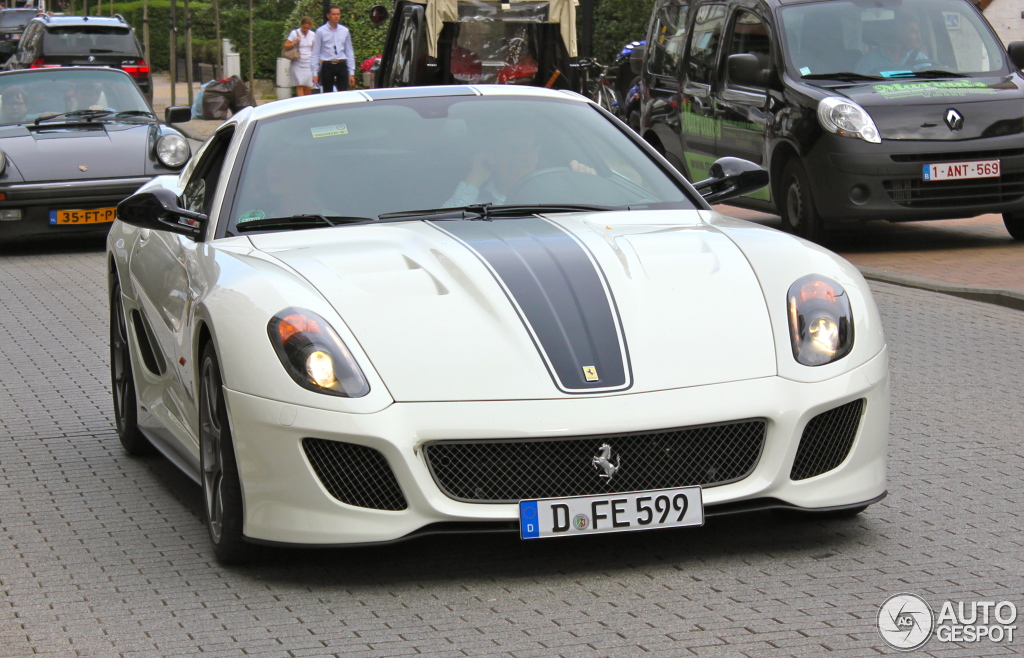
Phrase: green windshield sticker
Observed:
(329, 131)
(938, 89)
(250, 216)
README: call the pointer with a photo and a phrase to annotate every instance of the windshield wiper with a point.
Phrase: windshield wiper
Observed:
(296, 222)
(489, 211)
(88, 115)
(931, 73)
(134, 113)
(845, 76)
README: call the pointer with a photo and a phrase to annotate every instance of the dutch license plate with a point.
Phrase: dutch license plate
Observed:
(78, 217)
(961, 170)
(588, 515)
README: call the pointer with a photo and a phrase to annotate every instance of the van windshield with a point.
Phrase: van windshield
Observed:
(889, 39)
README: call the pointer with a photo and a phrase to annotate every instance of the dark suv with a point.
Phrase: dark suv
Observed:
(12, 24)
(884, 109)
(52, 41)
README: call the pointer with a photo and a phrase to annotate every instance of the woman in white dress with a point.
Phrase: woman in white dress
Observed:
(301, 73)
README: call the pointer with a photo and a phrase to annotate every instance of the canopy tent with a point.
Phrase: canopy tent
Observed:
(561, 12)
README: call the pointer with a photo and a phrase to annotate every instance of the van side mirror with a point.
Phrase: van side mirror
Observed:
(730, 178)
(378, 14)
(158, 209)
(1016, 51)
(745, 69)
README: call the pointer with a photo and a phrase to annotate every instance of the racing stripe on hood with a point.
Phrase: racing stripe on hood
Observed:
(560, 294)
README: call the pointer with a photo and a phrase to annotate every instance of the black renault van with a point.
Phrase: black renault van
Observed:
(860, 109)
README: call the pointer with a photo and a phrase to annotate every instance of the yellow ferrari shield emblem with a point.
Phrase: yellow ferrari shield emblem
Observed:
(590, 372)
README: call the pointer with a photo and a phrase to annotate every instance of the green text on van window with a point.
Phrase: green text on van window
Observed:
(938, 89)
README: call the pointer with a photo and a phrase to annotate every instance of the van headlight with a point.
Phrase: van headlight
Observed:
(820, 320)
(172, 150)
(844, 117)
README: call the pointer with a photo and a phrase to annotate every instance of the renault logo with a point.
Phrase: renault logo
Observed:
(954, 119)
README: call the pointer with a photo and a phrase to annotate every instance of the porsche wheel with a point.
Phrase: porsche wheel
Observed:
(122, 381)
(1014, 223)
(222, 490)
(799, 215)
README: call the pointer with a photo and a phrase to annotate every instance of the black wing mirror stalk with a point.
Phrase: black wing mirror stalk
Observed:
(1016, 52)
(730, 178)
(158, 209)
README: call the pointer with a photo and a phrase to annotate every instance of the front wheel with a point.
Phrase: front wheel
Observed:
(222, 489)
(122, 381)
(1014, 223)
(799, 214)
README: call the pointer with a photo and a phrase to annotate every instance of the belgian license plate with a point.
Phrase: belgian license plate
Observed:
(79, 217)
(961, 170)
(622, 512)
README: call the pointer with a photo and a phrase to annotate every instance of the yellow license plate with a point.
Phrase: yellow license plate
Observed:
(78, 217)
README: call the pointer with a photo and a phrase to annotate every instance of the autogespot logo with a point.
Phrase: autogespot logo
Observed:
(905, 622)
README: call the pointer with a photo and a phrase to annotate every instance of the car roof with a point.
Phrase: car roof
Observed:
(310, 101)
(98, 21)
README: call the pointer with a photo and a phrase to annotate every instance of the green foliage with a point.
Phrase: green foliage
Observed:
(616, 23)
(367, 38)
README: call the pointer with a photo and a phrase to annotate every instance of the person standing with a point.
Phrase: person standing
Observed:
(301, 72)
(333, 58)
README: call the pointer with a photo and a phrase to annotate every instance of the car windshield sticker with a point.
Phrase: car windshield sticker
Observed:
(937, 89)
(805, 71)
(329, 131)
(252, 215)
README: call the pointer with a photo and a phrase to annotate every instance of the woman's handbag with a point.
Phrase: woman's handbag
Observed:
(291, 53)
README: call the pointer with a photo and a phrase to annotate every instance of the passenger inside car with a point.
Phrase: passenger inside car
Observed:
(13, 105)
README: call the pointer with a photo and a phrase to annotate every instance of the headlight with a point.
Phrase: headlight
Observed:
(172, 150)
(314, 355)
(3, 162)
(820, 321)
(844, 117)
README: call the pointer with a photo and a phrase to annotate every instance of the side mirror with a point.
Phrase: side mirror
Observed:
(745, 69)
(636, 59)
(177, 114)
(378, 14)
(730, 178)
(1016, 51)
(158, 209)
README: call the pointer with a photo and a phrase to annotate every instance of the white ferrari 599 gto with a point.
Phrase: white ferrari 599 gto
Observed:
(365, 316)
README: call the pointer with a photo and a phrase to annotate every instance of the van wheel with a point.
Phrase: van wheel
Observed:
(799, 216)
(1014, 222)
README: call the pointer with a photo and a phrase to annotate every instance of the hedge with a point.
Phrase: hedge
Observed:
(616, 23)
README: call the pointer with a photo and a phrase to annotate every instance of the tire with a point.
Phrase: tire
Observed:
(1014, 223)
(222, 489)
(122, 380)
(799, 214)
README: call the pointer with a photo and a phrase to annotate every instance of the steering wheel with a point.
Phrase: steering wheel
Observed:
(524, 182)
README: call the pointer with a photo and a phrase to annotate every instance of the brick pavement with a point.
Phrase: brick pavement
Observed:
(104, 555)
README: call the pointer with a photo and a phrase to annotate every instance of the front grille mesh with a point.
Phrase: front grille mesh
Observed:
(958, 156)
(827, 440)
(355, 474)
(917, 193)
(509, 470)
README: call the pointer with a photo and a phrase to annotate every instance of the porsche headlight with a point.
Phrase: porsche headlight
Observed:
(3, 162)
(820, 321)
(172, 150)
(844, 117)
(314, 355)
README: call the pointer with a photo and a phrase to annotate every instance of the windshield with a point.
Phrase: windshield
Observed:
(369, 159)
(889, 38)
(39, 93)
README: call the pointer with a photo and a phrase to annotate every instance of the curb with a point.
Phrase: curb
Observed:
(1007, 298)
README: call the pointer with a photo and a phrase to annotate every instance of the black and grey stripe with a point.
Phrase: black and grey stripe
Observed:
(560, 294)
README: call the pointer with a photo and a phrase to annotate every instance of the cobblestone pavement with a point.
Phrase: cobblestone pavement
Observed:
(102, 554)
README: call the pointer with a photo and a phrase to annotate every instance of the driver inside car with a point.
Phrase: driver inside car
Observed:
(508, 158)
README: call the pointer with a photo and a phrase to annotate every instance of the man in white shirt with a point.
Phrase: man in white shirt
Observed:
(333, 60)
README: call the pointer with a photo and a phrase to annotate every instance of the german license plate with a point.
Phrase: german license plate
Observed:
(591, 515)
(78, 217)
(961, 170)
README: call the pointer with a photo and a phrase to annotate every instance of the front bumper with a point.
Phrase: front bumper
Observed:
(285, 502)
(856, 181)
(37, 200)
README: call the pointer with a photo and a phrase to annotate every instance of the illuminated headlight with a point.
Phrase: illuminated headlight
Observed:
(314, 355)
(172, 150)
(820, 321)
(844, 117)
